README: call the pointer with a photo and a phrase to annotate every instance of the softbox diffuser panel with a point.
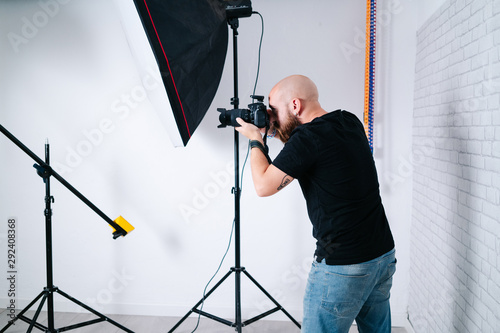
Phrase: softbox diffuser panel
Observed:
(189, 41)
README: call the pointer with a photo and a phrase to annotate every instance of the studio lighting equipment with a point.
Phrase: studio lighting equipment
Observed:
(237, 8)
(185, 44)
(120, 228)
(188, 40)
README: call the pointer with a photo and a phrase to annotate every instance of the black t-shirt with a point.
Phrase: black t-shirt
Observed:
(331, 159)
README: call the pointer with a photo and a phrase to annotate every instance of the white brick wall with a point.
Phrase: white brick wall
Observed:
(455, 256)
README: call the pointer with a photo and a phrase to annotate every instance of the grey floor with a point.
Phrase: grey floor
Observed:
(147, 324)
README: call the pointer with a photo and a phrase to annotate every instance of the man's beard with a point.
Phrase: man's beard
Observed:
(283, 131)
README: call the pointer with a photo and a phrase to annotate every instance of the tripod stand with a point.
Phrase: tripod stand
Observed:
(47, 295)
(237, 269)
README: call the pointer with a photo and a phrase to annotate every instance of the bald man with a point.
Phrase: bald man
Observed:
(328, 153)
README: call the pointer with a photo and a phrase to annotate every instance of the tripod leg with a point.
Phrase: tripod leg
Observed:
(238, 301)
(20, 315)
(201, 301)
(50, 311)
(37, 313)
(88, 308)
(271, 298)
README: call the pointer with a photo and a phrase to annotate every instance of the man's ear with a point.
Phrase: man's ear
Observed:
(296, 106)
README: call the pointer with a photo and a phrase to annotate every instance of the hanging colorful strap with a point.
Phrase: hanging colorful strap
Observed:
(371, 13)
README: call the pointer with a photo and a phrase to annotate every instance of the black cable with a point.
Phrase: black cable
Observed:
(227, 250)
(243, 169)
(260, 47)
(258, 69)
(213, 276)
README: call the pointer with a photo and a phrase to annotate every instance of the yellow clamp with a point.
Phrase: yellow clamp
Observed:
(124, 224)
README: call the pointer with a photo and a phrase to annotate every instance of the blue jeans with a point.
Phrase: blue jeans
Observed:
(336, 295)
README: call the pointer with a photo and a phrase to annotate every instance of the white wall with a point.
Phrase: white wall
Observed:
(394, 93)
(73, 74)
(426, 8)
(455, 274)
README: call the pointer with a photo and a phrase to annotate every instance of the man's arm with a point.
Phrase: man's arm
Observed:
(267, 178)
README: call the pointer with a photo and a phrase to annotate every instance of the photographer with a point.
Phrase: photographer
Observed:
(328, 153)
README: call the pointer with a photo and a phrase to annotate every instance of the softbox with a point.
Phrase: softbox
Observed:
(185, 43)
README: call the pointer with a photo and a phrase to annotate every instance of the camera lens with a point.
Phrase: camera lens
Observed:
(256, 114)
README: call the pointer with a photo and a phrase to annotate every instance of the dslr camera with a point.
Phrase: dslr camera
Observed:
(255, 114)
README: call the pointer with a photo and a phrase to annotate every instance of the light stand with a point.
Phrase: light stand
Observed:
(237, 269)
(45, 171)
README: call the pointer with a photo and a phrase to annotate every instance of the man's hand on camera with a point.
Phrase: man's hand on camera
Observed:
(251, 131)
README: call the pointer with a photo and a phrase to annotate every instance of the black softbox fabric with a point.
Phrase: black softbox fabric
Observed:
(189, 40)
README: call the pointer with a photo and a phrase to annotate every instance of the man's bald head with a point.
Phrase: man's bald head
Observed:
(296, 86)
(293, 101)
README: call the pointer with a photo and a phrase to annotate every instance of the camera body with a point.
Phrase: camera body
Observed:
(255, 114)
